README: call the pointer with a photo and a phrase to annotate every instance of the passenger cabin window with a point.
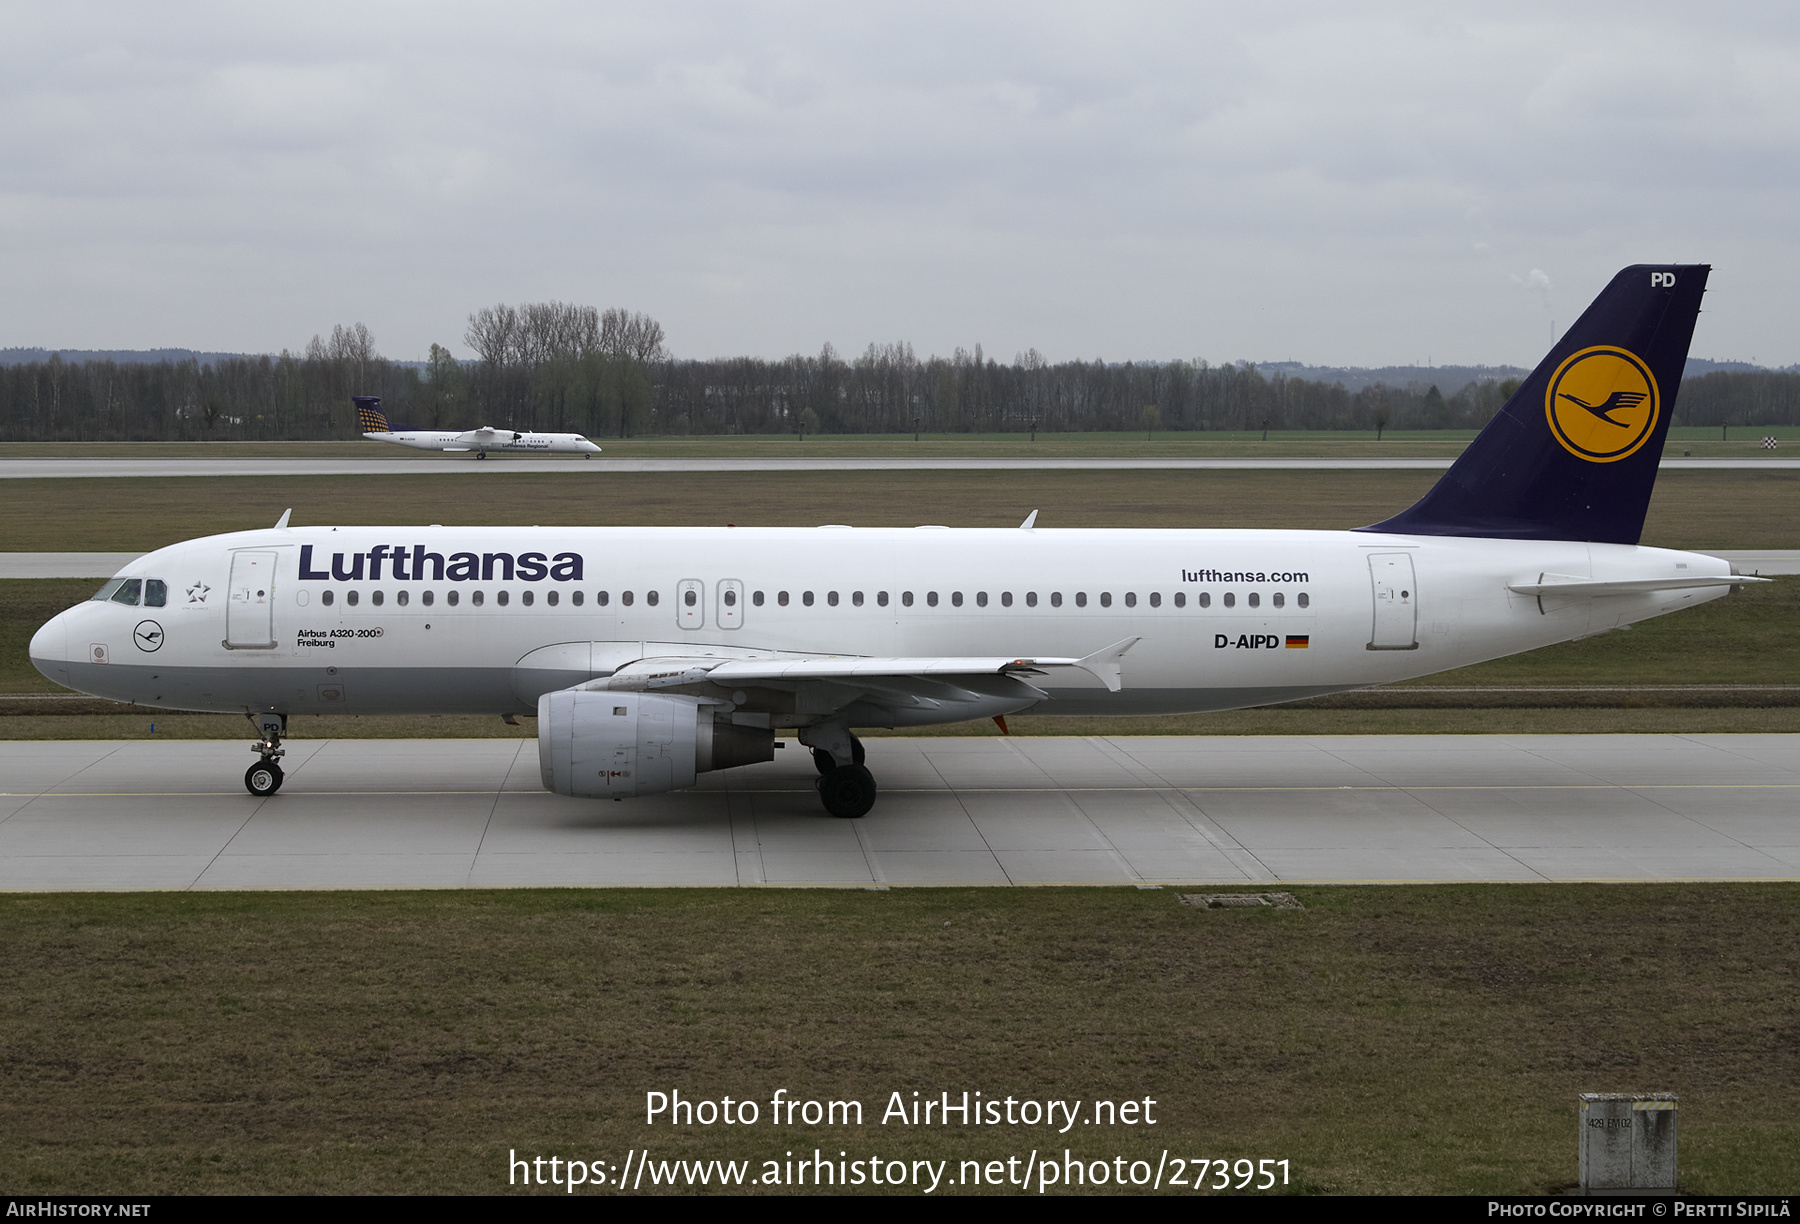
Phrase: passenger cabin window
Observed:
(550, 598)
(981, 599)
(906, 599)
(831, 598)
(806, 597)
(1006, 599)
(375, 598)
(428, 598)
(1056, 599)
(1131, 599)
(782, 599)
(1106, 599)
(402, 598)
(881, 598)
(690, 598)
(575, 597)
(1255, 600)
(1081, 599)
(757, 599)
(1180, 599)
(856, 598)
(730, 598)
(931, 599)
(1230, 600)
(1205, 599)
(526, 598)
(1031, 599)
(454, 597)
(625, 598)
(1304, 601)
(350, 597)
(1280, 599)
(326, 598)
(1155, 599)
(650, 597)
(475, 599)
(956, 599)
(601, 598)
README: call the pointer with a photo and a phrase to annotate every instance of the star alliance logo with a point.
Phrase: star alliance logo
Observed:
(197, 592)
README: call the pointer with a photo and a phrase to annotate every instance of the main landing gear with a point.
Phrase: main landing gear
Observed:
(265, 777)
(846, 787)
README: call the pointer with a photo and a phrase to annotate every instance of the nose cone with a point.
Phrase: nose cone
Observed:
(50, 648)
(590, 447)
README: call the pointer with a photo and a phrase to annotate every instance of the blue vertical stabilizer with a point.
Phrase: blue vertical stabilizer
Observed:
(1573, 454)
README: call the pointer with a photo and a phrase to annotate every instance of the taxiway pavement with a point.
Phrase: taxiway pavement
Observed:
(1237, 812)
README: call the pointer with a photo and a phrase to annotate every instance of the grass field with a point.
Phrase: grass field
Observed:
(1382, 1040)
(1690, 509)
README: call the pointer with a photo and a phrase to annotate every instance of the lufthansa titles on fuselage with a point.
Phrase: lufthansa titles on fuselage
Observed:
(412, 565)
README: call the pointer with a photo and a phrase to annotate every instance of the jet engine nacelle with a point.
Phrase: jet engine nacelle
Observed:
(618, 745)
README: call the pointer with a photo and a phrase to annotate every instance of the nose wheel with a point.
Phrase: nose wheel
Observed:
(265, 777)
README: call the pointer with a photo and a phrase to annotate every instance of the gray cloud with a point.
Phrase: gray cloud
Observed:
(1144, 180)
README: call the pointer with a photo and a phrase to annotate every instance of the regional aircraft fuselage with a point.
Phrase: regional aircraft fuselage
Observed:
(486, 620)
(481, 441)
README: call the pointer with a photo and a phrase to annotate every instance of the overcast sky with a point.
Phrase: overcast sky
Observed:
(1336, 184)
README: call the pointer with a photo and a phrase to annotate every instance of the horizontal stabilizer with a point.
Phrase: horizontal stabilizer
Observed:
(1557, 584)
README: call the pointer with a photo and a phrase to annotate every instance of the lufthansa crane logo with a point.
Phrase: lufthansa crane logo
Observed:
(1602, 403)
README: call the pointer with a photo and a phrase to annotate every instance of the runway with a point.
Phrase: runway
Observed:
(140, 469)
(1236, 812)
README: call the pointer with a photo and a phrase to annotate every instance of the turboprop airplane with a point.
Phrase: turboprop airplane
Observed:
(375, 427)
(651, 655)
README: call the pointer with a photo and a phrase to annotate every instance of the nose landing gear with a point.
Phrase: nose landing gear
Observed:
(265, 777)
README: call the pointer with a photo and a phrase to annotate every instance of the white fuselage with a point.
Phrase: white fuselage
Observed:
(486, 619)
(484, 440)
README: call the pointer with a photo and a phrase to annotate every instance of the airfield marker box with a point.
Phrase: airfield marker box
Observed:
(1628, 1141)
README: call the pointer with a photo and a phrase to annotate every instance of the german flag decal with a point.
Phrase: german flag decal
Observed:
(1298, 641)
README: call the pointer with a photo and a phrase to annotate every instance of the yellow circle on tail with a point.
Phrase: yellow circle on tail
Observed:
(1602, 403)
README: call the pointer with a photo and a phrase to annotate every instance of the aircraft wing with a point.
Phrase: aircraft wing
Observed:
(886, 673)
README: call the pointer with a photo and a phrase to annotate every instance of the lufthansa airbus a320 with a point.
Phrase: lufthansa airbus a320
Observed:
(651, 655)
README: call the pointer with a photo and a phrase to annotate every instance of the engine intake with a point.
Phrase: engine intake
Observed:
(619, 745)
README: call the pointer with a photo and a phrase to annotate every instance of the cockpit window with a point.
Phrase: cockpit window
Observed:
(156, 593)
(108, 589)
(129, 592)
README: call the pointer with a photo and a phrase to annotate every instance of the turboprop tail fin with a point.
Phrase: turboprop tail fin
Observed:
(1573, 454)
(369, 415)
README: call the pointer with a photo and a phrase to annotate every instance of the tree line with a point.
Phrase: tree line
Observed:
(566, 368)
